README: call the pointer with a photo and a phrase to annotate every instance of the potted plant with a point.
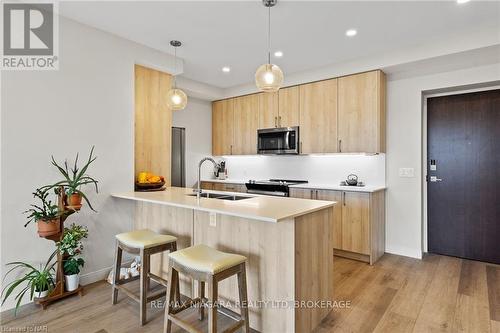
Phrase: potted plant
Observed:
(45, 215)
(74, 179)
(71, 269)
(71, 242)
(70, 246)
(38, 282)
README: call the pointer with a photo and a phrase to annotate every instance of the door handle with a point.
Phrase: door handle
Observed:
(279, 121)
(435, 179)
(340, 146)
(344, 197)
(312, 196)
(316, 194)
(275, 121)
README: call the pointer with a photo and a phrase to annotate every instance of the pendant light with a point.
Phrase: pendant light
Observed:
(269, 77)
(176, 98)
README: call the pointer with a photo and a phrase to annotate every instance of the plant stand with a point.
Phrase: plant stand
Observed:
(58, 292)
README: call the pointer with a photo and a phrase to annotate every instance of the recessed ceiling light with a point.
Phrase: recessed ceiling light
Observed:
(278, 54)
(226, 69)
(351, 32)
(462, 1)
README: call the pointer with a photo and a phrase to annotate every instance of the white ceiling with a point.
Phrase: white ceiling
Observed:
(311, 34)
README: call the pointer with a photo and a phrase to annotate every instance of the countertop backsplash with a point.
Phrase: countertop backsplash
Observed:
(324, 169)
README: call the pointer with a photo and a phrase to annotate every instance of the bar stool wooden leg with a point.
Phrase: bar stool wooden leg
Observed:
(143, 286)
(201, 294)
(212, 302)
(116, 275)
(242, 288)
(178, 287)
(170, 299)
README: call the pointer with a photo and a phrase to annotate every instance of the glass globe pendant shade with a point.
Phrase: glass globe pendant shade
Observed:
(176, 99)
(269, 78)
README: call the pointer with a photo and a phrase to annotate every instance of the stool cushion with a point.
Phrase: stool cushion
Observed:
(144, 238)
(205, 259)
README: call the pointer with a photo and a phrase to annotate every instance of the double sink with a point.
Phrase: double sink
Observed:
(221, 196)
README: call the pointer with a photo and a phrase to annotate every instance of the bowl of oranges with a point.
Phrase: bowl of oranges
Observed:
(147, 181)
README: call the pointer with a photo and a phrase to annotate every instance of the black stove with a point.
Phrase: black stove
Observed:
(275, 187)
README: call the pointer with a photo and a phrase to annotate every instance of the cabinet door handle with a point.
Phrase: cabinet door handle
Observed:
(316, 194)
(275, 121)
(300, 150)
(279, 121)
(231, 150)
(340, 146)
(344, 197)
(312, 195)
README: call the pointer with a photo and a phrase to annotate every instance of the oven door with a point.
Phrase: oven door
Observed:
(278, 140)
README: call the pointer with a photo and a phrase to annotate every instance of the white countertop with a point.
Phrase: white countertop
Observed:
(313, 186)
(337, 187)
(257, 207)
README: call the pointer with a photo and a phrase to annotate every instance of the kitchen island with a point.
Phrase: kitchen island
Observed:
(288, 243)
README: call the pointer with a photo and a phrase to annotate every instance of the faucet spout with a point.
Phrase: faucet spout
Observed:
(203, 160)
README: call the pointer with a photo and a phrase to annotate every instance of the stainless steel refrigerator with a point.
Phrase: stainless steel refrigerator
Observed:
(178, 172)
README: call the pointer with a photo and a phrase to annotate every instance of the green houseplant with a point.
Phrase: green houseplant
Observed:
(74, 178)
(38, 282)
(45, 215)
(71, 269)
(70, 247)
(71, 242)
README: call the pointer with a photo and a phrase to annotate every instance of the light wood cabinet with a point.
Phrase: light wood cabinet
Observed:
(225, 187)
(318, 117)
(288, 108)
(246, 123)
(358, 221)
(268, 110)
(337, 213)
(345, 115)
(361, 112)
(301, 193)
(222, 127)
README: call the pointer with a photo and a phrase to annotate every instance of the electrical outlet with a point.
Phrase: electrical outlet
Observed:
(406, 172)
(213, 219)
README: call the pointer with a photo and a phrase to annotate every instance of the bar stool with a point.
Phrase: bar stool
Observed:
(206, 265)
(145, 243)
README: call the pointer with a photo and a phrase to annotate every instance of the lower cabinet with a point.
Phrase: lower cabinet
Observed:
(359, 221)
(225, 187)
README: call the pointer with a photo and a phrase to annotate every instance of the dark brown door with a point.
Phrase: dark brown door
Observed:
(463, 193)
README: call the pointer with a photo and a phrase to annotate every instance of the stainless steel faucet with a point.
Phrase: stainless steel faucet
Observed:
(198, 191)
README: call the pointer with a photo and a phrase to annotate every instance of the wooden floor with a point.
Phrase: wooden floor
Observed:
(398, 294)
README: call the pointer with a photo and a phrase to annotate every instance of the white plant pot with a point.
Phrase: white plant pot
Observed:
(72, 281)
(41, 294)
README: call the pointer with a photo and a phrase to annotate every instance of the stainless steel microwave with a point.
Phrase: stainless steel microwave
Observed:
(275, 141)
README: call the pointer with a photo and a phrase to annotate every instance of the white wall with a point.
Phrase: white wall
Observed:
(404, 149)
(88, 101)
(319, 169)
(196, 118)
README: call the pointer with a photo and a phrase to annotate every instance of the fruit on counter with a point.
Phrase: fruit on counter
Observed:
(148, 177)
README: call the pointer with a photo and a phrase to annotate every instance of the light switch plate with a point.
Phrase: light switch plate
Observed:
(406, 172)
(213, 219)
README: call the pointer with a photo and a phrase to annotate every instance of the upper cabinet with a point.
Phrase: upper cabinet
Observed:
(268, 110)
(222, 127)
(288, 107)
(339, 115)
(246, 123)
(361, 113)
(318, 117)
